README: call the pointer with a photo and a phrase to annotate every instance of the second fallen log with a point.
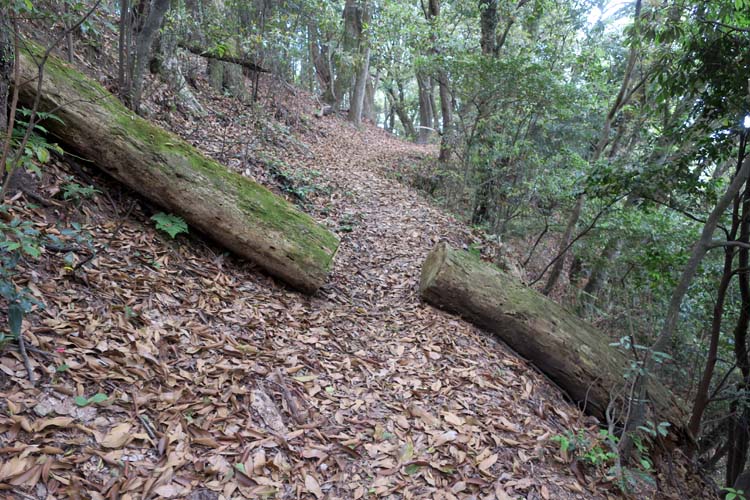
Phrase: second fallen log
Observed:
(572, 353)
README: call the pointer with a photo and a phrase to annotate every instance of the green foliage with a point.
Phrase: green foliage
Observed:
(734, 494)
(596, 453)
(37, 149)
(83, 401)
(170, 224)
(20, 241)
(77, 192)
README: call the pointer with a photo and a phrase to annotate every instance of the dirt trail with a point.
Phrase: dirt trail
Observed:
(221, 381)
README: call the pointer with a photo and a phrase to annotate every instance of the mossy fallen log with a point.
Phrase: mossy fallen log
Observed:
(235, 211)
(228, 57)
(568, 350)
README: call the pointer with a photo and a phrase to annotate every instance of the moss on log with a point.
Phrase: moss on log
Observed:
(237, 212)
(568, 350)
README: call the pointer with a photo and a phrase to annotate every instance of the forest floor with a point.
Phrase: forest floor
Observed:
(220, 382)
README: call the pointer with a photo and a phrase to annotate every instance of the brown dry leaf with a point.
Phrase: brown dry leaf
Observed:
(13, 467)
(42, 424)
(313, 486)
(487, 463)
(118, 436)
(544, 492)
(427, 417)
(445, 437)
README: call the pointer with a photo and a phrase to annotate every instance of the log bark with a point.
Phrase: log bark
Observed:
(243, 61)
(568, 350)
(238, 213)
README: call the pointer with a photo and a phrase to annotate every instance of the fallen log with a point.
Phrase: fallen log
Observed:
(572, 353)
(237, 212)
(245, 62)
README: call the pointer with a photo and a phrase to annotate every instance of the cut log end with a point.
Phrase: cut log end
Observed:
(432, 266)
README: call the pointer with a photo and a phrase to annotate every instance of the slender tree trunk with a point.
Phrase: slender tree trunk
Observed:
(358, 95)
(600, 273)
(123, 49)
(739, 222)
(358, 18)
(446, 110)
(425, 110)
(397, 105)
(564, 243)
(740, 425)
(144, 41)
(701, 247)
(622, 98)
(488, 21)
(68, 34)
(344, 82)
(433, 106)
(6, 68)
(369, 110)
(701, 397)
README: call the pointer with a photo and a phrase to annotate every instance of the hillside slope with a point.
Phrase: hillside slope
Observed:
(222, 383)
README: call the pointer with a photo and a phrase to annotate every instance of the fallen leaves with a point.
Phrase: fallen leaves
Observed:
(188, 372)
(117, 437)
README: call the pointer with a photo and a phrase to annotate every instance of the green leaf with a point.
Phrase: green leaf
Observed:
(62, 368)
(412, 469)
(32, 251)
(96, 398)
(170, 224)
(42, 155)
(99, 397)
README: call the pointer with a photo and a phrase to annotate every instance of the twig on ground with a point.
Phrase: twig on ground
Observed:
(25, 357)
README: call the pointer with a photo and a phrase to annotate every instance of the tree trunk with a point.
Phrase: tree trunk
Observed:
(425, 110)
(6, 68)
(564, 243)
(171, 73)
(369, 110)
(357, 19)
(567, 349)
(446, 110)
(144, 41)
(488, 21)
(739, 223)
(360, 86)
(123, 51)
(320, 56)
(600, 274)
(740, 425)
(215, 74)
(344, 82)
(397, 104)
(446, 99)
(622, 99)
(238, 213)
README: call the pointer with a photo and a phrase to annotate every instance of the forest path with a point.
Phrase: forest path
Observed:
(221, 380)
(493, 414)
